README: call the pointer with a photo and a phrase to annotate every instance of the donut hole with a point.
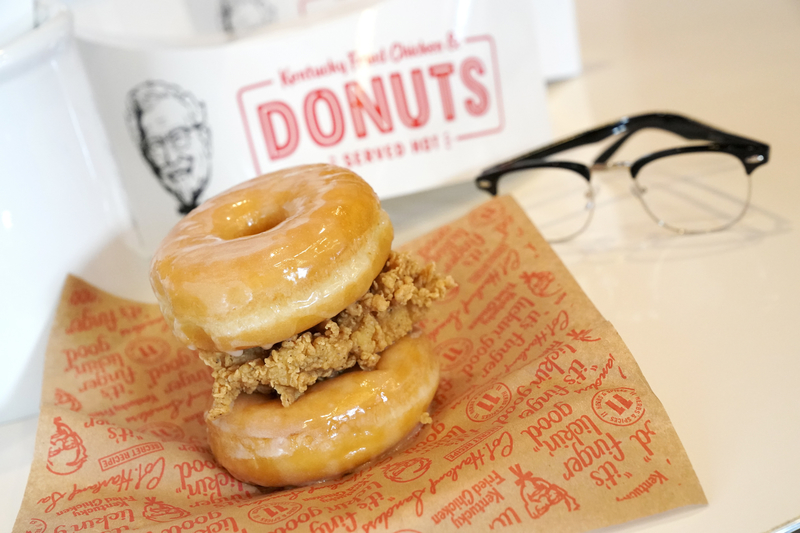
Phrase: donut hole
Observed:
(243, 219)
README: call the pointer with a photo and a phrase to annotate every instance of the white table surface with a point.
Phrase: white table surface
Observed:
(710, 319)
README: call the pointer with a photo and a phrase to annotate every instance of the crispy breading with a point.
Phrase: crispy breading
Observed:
(397, 299)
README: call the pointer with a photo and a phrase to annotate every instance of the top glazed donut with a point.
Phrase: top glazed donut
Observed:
(271, 258)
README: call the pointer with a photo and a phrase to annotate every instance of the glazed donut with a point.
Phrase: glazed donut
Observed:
(338, 425)
(270, 258)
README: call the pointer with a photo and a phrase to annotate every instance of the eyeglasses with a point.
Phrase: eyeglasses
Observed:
(178, 139)
(697, 188)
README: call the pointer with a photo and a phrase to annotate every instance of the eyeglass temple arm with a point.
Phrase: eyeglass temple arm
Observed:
(588, 137)
(685, 127)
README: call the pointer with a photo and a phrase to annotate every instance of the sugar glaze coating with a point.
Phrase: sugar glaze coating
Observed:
(270, 258)
(338, 425)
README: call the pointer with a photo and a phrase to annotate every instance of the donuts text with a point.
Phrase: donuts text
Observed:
(383, 104)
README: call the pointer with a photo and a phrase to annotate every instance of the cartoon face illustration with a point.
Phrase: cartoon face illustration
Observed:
(405, 471)
(159, 511)
(539, 283)
(36, 526)
(66, 454)
(539, 495)
(65, 399)
(169, 125)
(241, 16)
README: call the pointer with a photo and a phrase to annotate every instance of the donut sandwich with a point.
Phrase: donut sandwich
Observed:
(287, 287)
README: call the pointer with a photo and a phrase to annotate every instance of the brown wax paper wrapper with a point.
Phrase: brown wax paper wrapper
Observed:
(542, 421)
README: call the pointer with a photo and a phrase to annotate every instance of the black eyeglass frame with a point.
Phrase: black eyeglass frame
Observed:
(751, 153)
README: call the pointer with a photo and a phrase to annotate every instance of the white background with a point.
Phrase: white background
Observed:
(711, 319)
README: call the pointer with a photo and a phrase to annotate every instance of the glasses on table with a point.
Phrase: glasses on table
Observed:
(697, 188)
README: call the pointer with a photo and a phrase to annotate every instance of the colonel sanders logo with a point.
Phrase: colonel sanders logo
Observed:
(65, 399)
(405, 471)
(159, 511)
(169, 126)
(67, 454)
(540, 495)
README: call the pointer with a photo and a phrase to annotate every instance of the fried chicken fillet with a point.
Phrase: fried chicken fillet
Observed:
(397, 299)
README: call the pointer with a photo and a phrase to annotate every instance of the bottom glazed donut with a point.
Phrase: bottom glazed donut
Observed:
(338, 425)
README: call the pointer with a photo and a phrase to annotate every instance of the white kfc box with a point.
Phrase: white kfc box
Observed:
(411, 94)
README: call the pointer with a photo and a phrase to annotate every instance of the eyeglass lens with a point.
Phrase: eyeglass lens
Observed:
(558, 201)
(694, 192)
(177, 139)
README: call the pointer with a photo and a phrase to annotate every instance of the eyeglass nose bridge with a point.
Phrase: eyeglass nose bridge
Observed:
(637, 189)
(601, 166)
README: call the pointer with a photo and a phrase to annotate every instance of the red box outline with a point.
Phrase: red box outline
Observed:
(159, 447)
(463, 137)
(239, 98)
(498, 90)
